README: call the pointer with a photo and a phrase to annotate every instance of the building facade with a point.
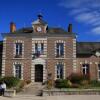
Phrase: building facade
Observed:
(38, 52)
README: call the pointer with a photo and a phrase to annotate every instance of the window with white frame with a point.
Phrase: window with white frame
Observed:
(39, 48)
(98, 71)
(60, 71)
(18, 49)
(59, 49)
(18, 71)
(85, 69)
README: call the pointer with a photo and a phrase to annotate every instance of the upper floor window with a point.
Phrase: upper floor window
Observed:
(60, 71)
(39, 48)
(18, 49)
(59, 49)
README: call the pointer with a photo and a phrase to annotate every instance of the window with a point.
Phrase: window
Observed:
(18, 71)
(85, 69)
(98, 71)
(59, 49)
(60, 71)
(39, 48)
(18, 49)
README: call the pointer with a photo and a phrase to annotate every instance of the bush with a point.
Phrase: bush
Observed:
(95, 83)
(76, 78)
(10, 81)
(61, 83)
(84, 82)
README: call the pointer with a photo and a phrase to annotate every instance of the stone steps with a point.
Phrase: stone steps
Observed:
(32, 89)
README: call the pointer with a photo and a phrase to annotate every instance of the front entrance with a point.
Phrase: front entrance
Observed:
(38, 73)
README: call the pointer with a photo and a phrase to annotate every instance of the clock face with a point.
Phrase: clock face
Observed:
(39, 29)
(97, 54)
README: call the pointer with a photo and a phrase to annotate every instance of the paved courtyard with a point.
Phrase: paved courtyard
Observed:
(67, 97)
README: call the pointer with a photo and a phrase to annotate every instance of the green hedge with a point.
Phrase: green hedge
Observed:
(61, 83)
(10, 81)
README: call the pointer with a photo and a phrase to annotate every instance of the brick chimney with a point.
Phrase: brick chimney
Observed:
(12, 27)
(70, 28)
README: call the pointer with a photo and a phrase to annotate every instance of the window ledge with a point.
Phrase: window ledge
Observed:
(60, 58)
(18, 58)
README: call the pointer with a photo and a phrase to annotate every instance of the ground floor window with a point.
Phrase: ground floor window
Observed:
(98, 71)
(18, 71)
(85, 69)
(60, 71)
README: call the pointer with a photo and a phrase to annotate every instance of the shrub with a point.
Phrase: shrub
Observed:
(61, 83)
(20, 86)
(10, 81)
(84, 82)
(76, 78)
(95, 83)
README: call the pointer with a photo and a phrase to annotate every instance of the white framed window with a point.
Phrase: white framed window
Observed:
(99, 71)
(59, 49)
(18, 49)
(60, 71)
(18, 71)
(39, 48)
(85, 69)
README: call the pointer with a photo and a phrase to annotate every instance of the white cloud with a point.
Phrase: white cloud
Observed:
(84, 11)
(96, 30)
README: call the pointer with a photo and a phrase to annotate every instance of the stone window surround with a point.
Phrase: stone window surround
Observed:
(59, 41)
(74, 56)
(21, 69)
(97, 63)
(39, 41)
(64, 70)
(18, 41)
(85, 62)
(3, 57)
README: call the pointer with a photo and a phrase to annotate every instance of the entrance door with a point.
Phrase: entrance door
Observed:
(39, 73)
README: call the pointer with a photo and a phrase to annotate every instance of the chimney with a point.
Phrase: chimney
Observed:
(70, 28)
(12, 27)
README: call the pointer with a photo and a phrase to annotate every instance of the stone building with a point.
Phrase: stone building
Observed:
(34, 53)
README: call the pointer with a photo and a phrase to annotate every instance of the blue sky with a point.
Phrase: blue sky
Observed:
(83, 14)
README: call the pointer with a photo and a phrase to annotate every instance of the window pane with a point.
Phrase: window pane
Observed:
(60, 71)
(18, 48)
(60, 49)
(36, 47)
(18, 70)
(85, 69)
(98, 66)
(42, 47)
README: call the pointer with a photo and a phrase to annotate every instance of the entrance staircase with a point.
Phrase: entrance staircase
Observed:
(32, 89)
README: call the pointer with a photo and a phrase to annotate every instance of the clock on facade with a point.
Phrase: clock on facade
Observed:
(39, 29)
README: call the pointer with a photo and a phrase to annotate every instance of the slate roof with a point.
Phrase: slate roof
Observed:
(87, 49)
(51, 32)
